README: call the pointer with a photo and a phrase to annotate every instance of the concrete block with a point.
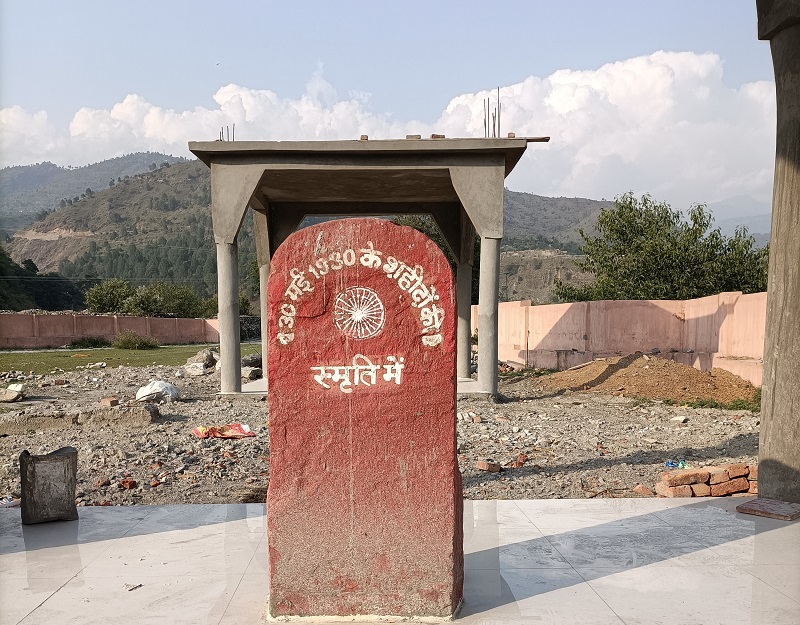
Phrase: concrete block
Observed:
(48, 486)
(736, 485)
(701, 490)
(684, 477)
(737, 470)
(665, 490)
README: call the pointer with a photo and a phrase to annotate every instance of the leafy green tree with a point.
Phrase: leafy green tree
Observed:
(643, 249)
(108, 296)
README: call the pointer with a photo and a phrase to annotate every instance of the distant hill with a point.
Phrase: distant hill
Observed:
(538, 222)
(26, 192)
(746, 211)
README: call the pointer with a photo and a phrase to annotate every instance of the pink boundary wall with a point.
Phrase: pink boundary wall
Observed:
(725, 331)
(31, 331)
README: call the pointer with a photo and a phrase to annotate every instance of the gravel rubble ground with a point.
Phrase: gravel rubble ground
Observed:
(563, 435)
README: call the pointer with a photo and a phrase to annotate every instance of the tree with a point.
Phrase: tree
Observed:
(108, 296)
(644, 249)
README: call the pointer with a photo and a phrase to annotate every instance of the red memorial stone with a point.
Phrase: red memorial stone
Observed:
(364, 503)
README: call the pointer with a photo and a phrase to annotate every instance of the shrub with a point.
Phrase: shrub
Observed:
(130, 340)
(89, 342)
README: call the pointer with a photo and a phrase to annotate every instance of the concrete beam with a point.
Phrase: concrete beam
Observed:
(232, 189)
(480, 189)
(779, 440)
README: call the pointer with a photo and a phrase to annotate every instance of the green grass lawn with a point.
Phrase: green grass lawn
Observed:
(45, 361)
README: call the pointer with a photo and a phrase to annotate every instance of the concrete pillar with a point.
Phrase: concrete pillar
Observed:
(487, 315)
(228, 296)
(463, 334)
(779, 441)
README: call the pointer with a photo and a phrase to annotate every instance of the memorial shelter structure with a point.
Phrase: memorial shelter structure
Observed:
(459, 182)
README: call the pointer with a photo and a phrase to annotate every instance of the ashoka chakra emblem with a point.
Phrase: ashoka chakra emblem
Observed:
(358, 312)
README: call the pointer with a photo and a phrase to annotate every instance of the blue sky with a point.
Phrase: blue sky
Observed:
(82, 81)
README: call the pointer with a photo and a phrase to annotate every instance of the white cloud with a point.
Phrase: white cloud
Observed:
(664, 124)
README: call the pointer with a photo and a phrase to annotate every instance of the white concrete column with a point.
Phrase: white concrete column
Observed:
(463, 334)
(487, 315)
(230, 352)
(263, 275)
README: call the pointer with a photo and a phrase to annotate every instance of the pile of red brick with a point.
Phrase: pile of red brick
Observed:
(716, 481)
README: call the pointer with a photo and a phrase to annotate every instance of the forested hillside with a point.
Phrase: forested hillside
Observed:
(155, 226)
(28, 192)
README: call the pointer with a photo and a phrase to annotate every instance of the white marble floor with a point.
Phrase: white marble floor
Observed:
(635, 561)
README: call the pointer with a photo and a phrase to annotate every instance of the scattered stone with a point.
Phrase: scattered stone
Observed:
(8, 395)
(128, 483)
(252, 360)
(252, 373)
(680, 419)
(207, 357)
(103, 481)
(196, 368)
(476, 418)
(109, 401)
(491, 467)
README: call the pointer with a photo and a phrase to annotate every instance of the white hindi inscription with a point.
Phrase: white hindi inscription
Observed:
(361, 373)
(358, 314)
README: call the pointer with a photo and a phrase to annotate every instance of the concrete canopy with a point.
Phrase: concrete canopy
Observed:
(459, 182)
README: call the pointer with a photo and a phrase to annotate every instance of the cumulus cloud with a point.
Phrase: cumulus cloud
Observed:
(664, 123)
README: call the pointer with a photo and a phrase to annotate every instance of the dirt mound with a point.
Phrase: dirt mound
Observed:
(639, 375)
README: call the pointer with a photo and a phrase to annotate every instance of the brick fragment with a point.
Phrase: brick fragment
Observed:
(736, 470)
(109, 402)
(753, 473)
(701, 490)
(753, 490)
(641, 489)
(717, 475)
(683, 477)
(491, 467)
(59, 382)
(663, 489)
(735, 485)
